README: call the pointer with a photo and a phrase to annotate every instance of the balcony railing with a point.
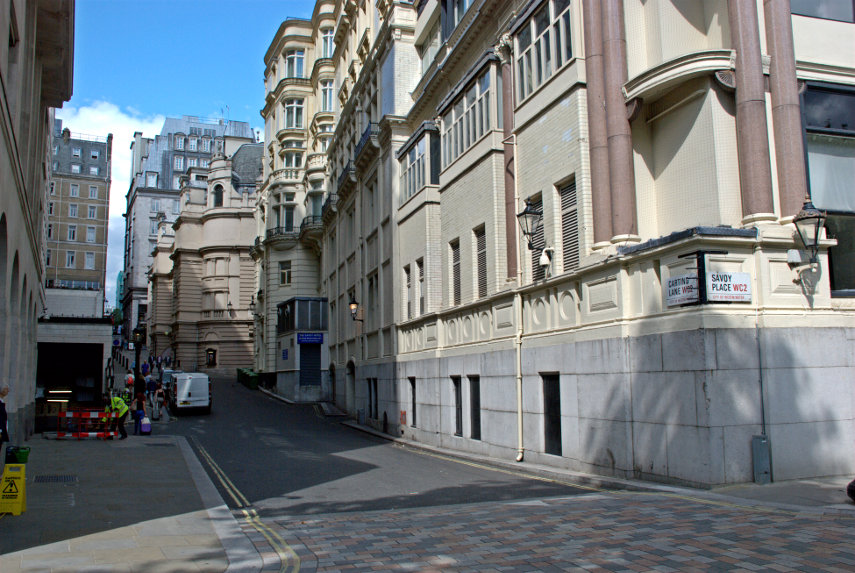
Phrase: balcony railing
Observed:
(73, 285)
(311, 222)
(329, 205)
(370, 132)
(282, 232)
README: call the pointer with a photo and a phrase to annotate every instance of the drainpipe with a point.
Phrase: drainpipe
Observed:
(518, 347)
(786, 108)
(509, 153)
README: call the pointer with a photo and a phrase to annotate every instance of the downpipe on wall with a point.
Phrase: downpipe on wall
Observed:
(518, 348)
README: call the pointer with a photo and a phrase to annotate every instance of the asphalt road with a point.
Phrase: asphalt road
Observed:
(285, 459)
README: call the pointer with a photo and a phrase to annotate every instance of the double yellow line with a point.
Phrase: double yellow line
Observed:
(287, 556)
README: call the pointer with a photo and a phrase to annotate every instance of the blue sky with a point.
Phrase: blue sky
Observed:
(139, 61)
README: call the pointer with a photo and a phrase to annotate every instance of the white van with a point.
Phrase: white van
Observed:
(191, 390)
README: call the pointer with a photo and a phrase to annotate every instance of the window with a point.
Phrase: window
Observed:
(94, 154)
(408, 281)
(373, 409)
(467, 120)
(52, 188)
(175, 209)
(93, 170)
(179, 142)
(458, 405)
(412, 401)
(569, 227)
(294, 113)
(420, 269)
(192, 144)
(72, 210)
(455, 272)
(538, 242)
(55, 149)
(326, 95)
(457, 9)
(152, 227)
(551, 414)
(69, 259)
(75, 152)
(413, 171)
(93, 212)
(543, 45)
(428, 50)
(50, 231)
(284, 272)
(47, 258)
(475, 407)
(203, 163)
(151, 180)
(481, 260)
(843, 10)
(327, 43)
(93, 191)
(206, 145)
(293, 160)
(90, 234)
(218, 196)
(176, 182)
(50, 208)
(830, 120)
(294, 64)
(191, 162)
(89, 261)
(74, 190)
(179, 162)
(155, 205)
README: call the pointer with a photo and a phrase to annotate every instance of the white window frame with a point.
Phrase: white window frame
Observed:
(543, 46)
(93, 191)
(70, 259)
(294, 113)
(89, 260)
(179, 142)
(94, 170)
(294, 60)
(74, 190)
(75, 168)
(413, 166)
(72, 210)
(72, 232)
(285, 270)
(327, 95)
(468, 119)
(327, 42)
(90, 234)
(179, 162)
(92, 212)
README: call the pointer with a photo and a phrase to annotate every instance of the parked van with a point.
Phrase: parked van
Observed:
(191, 390)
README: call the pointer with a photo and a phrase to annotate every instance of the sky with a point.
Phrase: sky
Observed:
(137, 62)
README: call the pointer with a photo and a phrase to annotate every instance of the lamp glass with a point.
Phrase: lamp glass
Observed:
(808, 223)
(529, 219)
(353, 306)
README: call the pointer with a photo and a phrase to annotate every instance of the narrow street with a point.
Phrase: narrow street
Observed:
(314, 495)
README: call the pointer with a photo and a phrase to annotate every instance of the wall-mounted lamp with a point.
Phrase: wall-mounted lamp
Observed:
(252, 305)
(354, 308)
(229, 307)
(809, 222)
(530, 220)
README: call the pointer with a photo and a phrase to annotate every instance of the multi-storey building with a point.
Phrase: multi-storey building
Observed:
(156, 168)
(563, 231)
(36, 63)
(77, 216)
(202, 276)
(299, 114)
(75, 336)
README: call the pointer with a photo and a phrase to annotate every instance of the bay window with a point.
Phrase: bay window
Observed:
(467, 120)
(543, 45)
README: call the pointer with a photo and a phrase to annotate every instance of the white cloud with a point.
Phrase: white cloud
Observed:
(101, 118)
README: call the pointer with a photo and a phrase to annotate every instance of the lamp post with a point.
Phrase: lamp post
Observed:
(139, 382)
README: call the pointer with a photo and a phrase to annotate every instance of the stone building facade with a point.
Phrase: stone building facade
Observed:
(36, 64)
(291, 327)
(157, 166)
(661, 146)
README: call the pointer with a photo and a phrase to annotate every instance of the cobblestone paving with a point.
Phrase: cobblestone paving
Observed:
(606, 531)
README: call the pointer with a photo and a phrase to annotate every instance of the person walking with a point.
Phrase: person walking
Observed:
(116, 404)
(138, 406)
(157, 406)
(150, 387)
(4, 417)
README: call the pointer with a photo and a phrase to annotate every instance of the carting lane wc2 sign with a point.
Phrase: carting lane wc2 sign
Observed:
(682, 289)
(728, 287)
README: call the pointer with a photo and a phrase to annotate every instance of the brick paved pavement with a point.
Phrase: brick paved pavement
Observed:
(601, 531)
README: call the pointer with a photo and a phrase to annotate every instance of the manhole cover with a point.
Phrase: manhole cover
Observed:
(55, 479)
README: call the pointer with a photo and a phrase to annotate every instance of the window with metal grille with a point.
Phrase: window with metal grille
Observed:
(412, 401)
(458, 406)
(475, 407)
(538, 242)
(481, 260)
(409, 282)
(455, 272)
(569, 227)
(551, 414)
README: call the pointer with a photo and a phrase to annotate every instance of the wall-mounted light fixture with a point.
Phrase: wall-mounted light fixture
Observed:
(809, 222)
(530, 220)
(252, 305)
(354, 308)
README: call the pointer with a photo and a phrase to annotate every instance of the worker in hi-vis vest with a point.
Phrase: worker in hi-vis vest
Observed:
(116, 404)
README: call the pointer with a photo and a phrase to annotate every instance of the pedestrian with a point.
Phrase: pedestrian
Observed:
(116, 404)
(150, 387)
(4, 417)
(159, 398)
(138, 407)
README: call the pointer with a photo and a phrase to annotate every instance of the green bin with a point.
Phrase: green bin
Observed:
(17, 455)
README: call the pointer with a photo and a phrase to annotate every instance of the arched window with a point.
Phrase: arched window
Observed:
(218, 196)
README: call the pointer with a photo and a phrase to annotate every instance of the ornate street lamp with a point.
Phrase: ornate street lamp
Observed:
(530, 220)
(809, 221)
(354, 308)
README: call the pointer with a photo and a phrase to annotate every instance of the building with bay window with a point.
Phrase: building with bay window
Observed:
(658, 316)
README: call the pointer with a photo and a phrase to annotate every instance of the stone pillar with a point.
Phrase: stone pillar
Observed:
(752, 140)
(786, 108)
(621, 175)
(598, 144)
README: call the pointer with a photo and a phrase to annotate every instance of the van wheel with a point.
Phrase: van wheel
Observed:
(207, 409)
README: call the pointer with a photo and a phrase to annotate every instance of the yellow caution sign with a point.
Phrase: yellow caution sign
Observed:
(13, 492)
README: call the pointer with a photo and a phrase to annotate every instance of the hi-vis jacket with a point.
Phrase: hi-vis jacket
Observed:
(117, 405)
